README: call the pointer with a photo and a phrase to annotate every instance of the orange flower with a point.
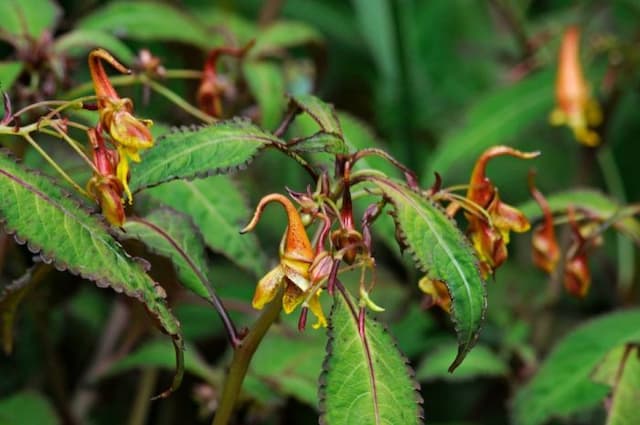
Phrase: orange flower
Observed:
(213, 87)
(577, 277)
(296, 265)
(575, 106)
(546, 252)
(129, 134)
(489, 233)
(105, 187)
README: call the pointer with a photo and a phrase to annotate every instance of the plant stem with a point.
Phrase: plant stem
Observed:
(177, 100)
(143, 396)
(74, 145)
(55, 165)
(242, 357)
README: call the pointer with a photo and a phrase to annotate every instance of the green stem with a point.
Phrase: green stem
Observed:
(144, 392)
(615, 185)
(55, 165)
(241, 359)
(177, 100)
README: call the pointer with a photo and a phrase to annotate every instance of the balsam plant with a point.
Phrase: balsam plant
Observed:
(142, 196)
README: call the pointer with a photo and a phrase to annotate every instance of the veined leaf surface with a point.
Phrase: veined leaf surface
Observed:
(441, 250)
(173, 235)
(322, 113)
(218, 209)
(215, 149)
(366, 380)
(40, 213)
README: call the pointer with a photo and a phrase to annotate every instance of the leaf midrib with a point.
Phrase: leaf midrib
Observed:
(216, 140)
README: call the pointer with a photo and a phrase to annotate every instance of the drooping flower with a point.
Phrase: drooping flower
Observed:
(546, 252)
(104, 185)
(299, 266)
(575, 108)
(577, 276)
(490, 233)
(214, 87)
(129, 134)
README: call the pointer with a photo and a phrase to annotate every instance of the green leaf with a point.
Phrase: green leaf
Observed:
(292, 372)
(9, 72)
(283, 35)
(366, 380)
(626, 398)
(266, 82)
(28, 17)
(441, 250)
(79, 41)
(219, 148)
(480, 362)
(159, 354)
(147, 21)
(173, 235)
(40, 213)
(219, 210)
(27, 408)
(563, 386)
(595, 203)
(497, 118)
(322, 113)
(10, 298)
(321, 142)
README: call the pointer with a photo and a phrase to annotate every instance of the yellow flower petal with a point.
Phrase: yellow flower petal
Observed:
(268, 287)
(316, 309)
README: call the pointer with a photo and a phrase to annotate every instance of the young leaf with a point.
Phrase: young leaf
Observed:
(28, 17)
(40, 213)
(173, 235)
(496, 119)
(366, 380)
(321, 142)
(218, 209)
(563, 386)
(321, 112)
(219, 148)
(266, 82)
(593, 202)
(441, 250)
(282, 35)
(624, 409)
(148, 21)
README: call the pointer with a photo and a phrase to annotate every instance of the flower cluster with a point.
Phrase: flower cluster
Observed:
(546, 250)
(127, 134)
(489, 231)
(490, 221)
(300, 268)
